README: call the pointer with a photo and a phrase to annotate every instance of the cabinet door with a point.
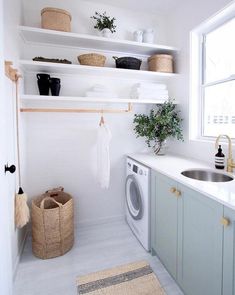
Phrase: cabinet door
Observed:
(200, 244)
(164, 230)
(229, 253)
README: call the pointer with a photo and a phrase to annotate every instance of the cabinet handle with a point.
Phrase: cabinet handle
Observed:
(173, 190)
(225, 221)
(177, 193)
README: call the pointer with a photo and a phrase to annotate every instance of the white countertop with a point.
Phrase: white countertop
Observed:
(172, 166)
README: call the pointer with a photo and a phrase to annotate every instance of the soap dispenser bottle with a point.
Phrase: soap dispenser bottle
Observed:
(219, 159)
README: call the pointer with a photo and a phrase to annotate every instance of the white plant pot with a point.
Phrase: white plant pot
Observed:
(106, 33)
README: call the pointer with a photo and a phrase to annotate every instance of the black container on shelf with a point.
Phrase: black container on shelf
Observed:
(43, 83)
(130, 63)
(55, 86)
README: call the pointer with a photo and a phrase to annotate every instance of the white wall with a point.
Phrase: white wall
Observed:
(189, 15)
(61, 147)
(127, 20)
(12, 18)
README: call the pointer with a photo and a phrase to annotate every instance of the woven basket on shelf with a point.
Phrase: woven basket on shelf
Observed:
(56, 19)
(92, 59)
(52, 224)
(161, 63)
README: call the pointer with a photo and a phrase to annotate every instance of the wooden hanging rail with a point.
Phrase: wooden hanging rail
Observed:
(10, 72)
(52, 110)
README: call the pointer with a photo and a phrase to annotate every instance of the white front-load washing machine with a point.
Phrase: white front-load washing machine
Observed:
(138, 200)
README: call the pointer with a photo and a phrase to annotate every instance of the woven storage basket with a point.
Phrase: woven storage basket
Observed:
(92, 59)
(56, 19)
(52, 224)
(161, 63)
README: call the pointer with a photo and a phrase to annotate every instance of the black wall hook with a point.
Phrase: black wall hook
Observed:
(10, 169)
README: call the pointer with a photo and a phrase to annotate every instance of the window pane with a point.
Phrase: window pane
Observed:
(219, 109)
(219, 52)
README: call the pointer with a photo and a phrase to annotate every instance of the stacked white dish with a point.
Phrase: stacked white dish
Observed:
(100, 91)
(149, 91)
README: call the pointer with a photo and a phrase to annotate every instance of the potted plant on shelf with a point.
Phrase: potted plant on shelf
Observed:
(104, 23)
(161, 124)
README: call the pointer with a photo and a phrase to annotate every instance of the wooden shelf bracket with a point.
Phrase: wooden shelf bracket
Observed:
(10, 72)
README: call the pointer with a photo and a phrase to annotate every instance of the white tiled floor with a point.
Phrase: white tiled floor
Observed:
(96, 248)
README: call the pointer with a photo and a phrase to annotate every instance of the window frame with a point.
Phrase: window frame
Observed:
(197, 72)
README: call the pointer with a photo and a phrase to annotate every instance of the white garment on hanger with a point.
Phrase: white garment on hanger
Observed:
(103, 159)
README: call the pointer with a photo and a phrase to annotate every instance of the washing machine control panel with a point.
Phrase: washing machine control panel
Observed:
(136, 169)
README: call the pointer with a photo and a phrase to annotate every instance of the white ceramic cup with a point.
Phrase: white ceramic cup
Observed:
(148, 36)
(138, 36)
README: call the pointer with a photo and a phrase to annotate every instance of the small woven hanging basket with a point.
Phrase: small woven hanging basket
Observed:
(56, 19)
(161, 63)
(52, 224)
(92, 59)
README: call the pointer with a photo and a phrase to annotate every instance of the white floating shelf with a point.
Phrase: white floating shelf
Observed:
(28, 98)
(84, 41)
(72, 69)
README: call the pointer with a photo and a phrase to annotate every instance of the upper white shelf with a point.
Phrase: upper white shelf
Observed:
(28, 98)
(51, 37)
(71, 69)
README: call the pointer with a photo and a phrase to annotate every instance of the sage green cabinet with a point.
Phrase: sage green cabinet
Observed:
(200, 243)
(187, 236)
(164, 208)
(229, 252)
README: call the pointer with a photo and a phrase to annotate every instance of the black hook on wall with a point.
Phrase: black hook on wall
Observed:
(10, 169)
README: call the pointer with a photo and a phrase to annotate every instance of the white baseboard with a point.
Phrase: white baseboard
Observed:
(88, 223)
(21, 249)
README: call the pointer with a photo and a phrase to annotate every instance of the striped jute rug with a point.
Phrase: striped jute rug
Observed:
(131, 279)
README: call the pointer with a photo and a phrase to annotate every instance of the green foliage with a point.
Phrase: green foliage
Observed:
(103, 21)
(159, 125)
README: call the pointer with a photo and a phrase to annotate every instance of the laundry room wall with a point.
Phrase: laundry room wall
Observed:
(61, 148)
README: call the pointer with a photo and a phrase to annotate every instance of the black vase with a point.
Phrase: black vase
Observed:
(55, 86)
(43, 83)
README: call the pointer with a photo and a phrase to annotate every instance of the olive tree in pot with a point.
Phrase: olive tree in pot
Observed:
(161, 124)
(104, 23)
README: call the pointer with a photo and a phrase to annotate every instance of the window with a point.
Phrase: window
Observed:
(218, 81)
(213, 78)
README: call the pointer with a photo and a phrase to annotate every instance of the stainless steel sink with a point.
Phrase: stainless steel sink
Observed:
(207, 175)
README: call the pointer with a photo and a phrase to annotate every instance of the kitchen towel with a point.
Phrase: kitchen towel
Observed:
(100, 94)
(151, 97)
(100, 91)
(161, 94)
(145, 85)
(103, 158)
(149, 91)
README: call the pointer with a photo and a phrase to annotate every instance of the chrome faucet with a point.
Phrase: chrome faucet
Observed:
(230, 162)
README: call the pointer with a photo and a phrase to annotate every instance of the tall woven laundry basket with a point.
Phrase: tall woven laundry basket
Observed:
(52, 224)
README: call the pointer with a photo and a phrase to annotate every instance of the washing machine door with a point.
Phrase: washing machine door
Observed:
(134, 199)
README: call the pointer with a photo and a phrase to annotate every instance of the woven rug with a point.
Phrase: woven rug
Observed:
(132, 279)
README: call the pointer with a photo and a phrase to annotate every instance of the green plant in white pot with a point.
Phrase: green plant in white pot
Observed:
(104, 23)
(158, 126)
